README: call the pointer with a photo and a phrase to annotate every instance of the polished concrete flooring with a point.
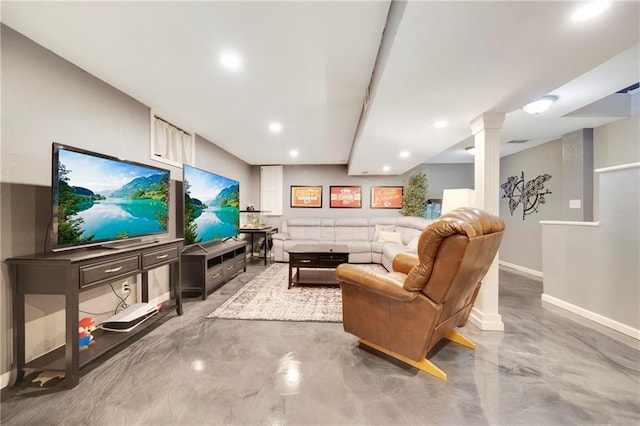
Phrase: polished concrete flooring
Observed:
(544, 369)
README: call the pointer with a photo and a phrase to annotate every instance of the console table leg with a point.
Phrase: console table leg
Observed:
(72, 356)
(174, 278)
(18, 328)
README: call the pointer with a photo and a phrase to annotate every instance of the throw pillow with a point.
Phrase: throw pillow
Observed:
(390, 237)
(382, 228)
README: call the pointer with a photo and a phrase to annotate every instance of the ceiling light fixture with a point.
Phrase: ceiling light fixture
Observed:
(440, 124)
(293, 153)
(404, 154)
(275, 127)
(471, 150)
(540, 105)
(590, 10)
(231, 60)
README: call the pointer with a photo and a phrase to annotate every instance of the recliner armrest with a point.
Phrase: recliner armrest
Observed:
(404, 262)
(385, 284)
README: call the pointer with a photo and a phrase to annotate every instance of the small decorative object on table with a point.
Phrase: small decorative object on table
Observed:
(85, 338)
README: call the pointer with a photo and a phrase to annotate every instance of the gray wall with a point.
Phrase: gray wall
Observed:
(522, 242)
(594, 269)
(613, 144)
(440, 176)
(617, 143)
(47, 99)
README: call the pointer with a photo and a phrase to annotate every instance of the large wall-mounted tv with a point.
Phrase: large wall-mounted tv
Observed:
(98, 198)
(211, 206)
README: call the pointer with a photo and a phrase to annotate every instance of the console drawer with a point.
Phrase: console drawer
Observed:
(159, 256)
(214, 275)
(94, 274)
(229, 267)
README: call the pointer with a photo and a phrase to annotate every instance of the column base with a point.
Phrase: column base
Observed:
(486, 322)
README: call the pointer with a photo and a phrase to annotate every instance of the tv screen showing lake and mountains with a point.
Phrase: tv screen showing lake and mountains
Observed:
(100, 199)
(211, 206)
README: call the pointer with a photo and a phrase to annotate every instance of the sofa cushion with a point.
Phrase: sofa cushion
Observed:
(382, 228)
(289, 244)
(413, 244)
(390, 237)
(356, 246)
(305, 232)
(351, 229)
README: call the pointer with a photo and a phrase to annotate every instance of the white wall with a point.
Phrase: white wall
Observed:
(47, 99)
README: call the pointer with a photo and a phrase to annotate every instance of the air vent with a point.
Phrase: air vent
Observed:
(519, 141)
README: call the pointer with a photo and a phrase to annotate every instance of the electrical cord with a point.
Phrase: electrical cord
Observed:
(123, 301)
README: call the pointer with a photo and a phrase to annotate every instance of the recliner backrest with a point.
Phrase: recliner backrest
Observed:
(455, 253)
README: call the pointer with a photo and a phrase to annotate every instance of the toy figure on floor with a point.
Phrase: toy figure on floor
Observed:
(85, 339)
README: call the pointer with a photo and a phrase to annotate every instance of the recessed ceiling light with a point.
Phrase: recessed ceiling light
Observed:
(386, 168)
(540, 105)
(404, 154)
(231, 60)
(293, 153)
(440, 124)
(590, 10)
(275, 127)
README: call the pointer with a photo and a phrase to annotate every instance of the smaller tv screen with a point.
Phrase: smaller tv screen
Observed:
(211, 206)
(99, 198)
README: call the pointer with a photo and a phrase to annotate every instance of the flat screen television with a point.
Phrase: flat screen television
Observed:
(211, 206)
(99, 199)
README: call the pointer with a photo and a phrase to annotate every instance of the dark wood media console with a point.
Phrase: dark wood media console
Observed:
(72, 272)
(205, 268)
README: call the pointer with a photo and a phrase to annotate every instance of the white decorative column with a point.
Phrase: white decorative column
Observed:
(486, 131)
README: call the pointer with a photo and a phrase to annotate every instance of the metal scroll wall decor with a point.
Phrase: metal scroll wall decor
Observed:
(530, 194)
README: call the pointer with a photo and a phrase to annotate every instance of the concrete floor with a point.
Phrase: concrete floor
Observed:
(544, 369)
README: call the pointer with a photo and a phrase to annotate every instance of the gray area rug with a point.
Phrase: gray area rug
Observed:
(266, 297)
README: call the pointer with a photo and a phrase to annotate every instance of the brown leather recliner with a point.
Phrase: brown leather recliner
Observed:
(404, 313)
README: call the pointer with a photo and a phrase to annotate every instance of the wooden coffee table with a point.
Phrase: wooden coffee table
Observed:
(317, 256)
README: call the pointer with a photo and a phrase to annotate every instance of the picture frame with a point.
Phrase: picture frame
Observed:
(345, 197)
(386, 197)
(306, 196)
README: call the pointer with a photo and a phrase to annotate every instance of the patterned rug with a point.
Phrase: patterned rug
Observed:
(266, 297)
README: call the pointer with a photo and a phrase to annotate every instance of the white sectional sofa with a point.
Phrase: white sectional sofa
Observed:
(370, 240)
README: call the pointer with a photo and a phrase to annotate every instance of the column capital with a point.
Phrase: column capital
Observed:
(488, 120)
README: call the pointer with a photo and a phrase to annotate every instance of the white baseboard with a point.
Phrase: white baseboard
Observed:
(486, 322)
(521, 268)
(592, 316)
(4, 379)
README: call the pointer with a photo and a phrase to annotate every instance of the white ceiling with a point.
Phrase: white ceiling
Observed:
(308, 66)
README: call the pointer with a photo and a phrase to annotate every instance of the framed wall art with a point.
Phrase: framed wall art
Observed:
(306, 196)
(386, 197)
(346, 197)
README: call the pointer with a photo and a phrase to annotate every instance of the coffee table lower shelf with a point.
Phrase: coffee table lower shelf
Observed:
(315, 277)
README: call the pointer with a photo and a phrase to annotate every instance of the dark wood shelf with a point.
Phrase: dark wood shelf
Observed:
(73, 272)
(210, 267)
(105, 342)
(315, 277)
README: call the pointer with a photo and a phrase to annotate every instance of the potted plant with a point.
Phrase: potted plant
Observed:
(414, 197)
